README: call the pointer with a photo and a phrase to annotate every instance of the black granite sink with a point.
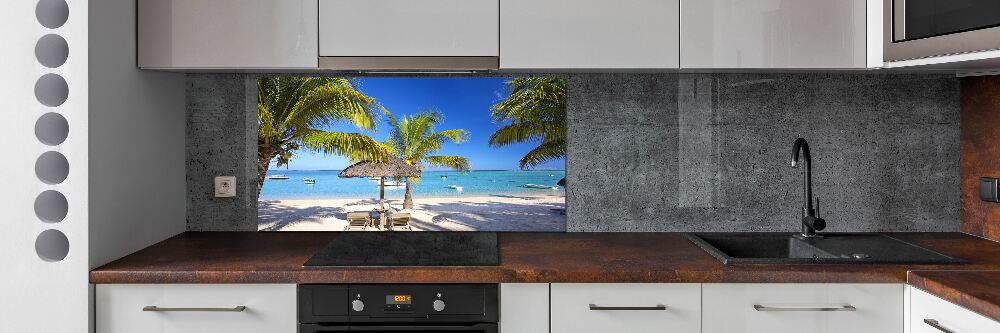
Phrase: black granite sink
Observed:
(836, 248)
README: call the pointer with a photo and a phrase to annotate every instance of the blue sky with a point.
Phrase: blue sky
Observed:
(464, 102)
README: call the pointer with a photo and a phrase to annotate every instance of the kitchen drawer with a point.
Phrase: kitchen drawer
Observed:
(269, 308)
(634, 308)
(778, 308)
(948, 316)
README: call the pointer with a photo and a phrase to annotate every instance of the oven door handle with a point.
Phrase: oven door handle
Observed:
(484, 328)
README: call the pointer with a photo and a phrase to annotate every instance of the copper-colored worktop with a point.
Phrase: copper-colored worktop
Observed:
(978, 291)
(261, 257)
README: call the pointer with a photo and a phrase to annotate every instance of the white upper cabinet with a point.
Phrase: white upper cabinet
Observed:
(589, 34)
(193, 34)
(409, 28)
(780, 34)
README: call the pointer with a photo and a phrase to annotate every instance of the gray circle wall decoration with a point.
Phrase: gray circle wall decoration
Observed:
(51, 51)
(52, 13)
(52, 245)
(51, 129)
(51, 90)
(52, 167)
(51, 206)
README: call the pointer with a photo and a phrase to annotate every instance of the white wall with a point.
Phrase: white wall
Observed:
(137, 185)
(38, 295)
(125, 150)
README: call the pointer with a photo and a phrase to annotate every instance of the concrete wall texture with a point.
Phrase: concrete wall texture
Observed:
(686, 152)
(221, 141)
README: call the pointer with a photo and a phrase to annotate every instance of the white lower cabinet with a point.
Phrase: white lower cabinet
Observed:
(634, 308)
(930, 314)
(802, 308)
(188, 308)
(524, 307)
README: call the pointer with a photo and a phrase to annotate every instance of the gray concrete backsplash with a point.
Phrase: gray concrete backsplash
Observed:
(683, 152)
(221, 141)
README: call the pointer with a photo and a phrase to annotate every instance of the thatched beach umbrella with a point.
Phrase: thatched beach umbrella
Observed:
(394, 168)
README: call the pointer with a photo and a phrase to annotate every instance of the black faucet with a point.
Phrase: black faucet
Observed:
(810, 221)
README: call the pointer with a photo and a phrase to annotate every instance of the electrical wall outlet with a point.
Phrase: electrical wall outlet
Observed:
(988, 189)
(225, 187)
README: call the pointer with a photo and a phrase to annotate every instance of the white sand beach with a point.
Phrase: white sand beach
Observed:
(472, 213)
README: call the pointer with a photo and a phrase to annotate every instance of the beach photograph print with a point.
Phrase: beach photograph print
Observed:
(387, 154)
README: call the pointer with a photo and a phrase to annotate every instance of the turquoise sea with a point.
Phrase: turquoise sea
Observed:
(432, 184)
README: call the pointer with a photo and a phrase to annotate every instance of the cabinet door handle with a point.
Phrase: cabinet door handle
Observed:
(935, 324)
(596, 307)
(159, 309)
(759, 307)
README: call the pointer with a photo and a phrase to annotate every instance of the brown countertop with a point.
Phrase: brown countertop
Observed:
(978, 291)
(277, 257)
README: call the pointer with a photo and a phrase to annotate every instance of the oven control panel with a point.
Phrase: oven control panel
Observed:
(470, 308)
(368, 303)
(399, 303)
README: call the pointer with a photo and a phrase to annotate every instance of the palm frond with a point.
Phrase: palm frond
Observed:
(545, 152)
(458, 163)
(354, 146)
(413, 138)
(533, 111)
(333, 101)
(456, 136)
(526, 132)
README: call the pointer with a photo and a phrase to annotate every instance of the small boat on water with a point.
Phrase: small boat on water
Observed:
(455, 187)
(444, 177)
(541, 187)
(309, 181)
(277, 177)
(394, 183)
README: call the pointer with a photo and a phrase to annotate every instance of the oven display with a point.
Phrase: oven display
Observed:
(398, 299)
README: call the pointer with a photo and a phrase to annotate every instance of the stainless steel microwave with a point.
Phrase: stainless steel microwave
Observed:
(916, 29)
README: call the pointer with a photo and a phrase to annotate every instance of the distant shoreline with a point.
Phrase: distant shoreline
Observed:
(416, 196)
(472, 213)
(484, 170)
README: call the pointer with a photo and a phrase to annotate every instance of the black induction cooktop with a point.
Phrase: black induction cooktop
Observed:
(432, 248)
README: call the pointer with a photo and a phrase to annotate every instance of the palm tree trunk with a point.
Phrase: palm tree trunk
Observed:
(264, 156)
(408, 198)
(381, 193)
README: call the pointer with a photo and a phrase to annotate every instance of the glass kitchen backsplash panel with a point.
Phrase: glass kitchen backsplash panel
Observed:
(412, 154)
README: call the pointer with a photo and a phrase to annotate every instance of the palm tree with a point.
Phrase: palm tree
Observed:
(535, 111)
(414, 140)
(292, 112)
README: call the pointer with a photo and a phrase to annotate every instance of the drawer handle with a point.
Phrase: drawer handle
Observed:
(596, 307)
(759, 307)
(159, 309)
(935, 324)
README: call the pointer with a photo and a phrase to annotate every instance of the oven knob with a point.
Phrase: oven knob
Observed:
(438, 305)
(358, 305)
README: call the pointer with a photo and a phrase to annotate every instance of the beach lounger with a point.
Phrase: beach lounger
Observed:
(401, 220)
(357, 220)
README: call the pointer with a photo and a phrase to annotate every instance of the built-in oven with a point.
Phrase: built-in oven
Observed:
(916, 29)
(374, 308)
